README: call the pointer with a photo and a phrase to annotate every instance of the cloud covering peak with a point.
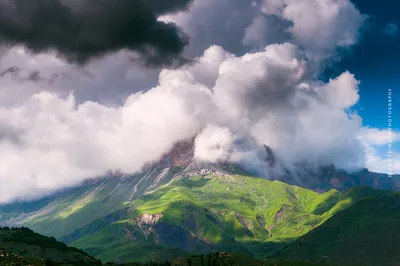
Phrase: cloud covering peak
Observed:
(252, 82)
(236, 104)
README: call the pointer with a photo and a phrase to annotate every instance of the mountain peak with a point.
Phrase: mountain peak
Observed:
(180, 155)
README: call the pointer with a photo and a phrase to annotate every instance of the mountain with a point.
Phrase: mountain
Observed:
(328, 177)
(66, 211)
(366, 233)
(208, 213)
(320, 179)
(178, 206)
(70, 209)
(23, 246)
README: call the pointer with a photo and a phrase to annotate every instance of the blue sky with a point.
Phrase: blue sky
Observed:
(375, 61)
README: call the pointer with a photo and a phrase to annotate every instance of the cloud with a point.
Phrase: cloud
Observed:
(266, 29)
(62, 124)
(239, 26)
(80, 30)
(233, 104)
(375, 136)
(378, 143)
(391, 29)
(319, 26)
(213, 144)
(212, 22)
(108, 81)
(382, 163)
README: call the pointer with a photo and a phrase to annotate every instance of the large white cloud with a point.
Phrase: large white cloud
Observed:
(214, 143)
(319, 26)
(238, 103)
(60, 125)
(381, 155)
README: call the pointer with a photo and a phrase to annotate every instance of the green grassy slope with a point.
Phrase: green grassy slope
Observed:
(22, 244)
(366, 233)
(211, 213)
(64, 212)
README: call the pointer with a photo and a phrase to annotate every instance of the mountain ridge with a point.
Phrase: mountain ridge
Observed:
(243, 220)
(100, 197)
(172, 216)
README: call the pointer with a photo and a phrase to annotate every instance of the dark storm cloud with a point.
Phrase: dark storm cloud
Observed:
(80, 30)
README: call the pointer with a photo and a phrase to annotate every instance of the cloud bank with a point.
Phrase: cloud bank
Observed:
(318, 27)
(235, 103)
(239, 26)
(252, 82)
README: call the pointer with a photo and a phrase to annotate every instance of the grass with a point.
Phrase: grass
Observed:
(192, 215)
(210, 213)
(67, 211)
(366, 233)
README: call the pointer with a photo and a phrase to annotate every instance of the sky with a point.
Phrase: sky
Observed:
(88, 86)
(375, 60)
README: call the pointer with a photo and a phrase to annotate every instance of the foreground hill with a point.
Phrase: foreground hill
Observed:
(208, 213)
(10, 259)
(22, 245)
(366, 233)
(229, 259)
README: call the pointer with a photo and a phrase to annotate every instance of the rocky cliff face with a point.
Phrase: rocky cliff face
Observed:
(181, 155)
(146, 223)
(322, 179)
